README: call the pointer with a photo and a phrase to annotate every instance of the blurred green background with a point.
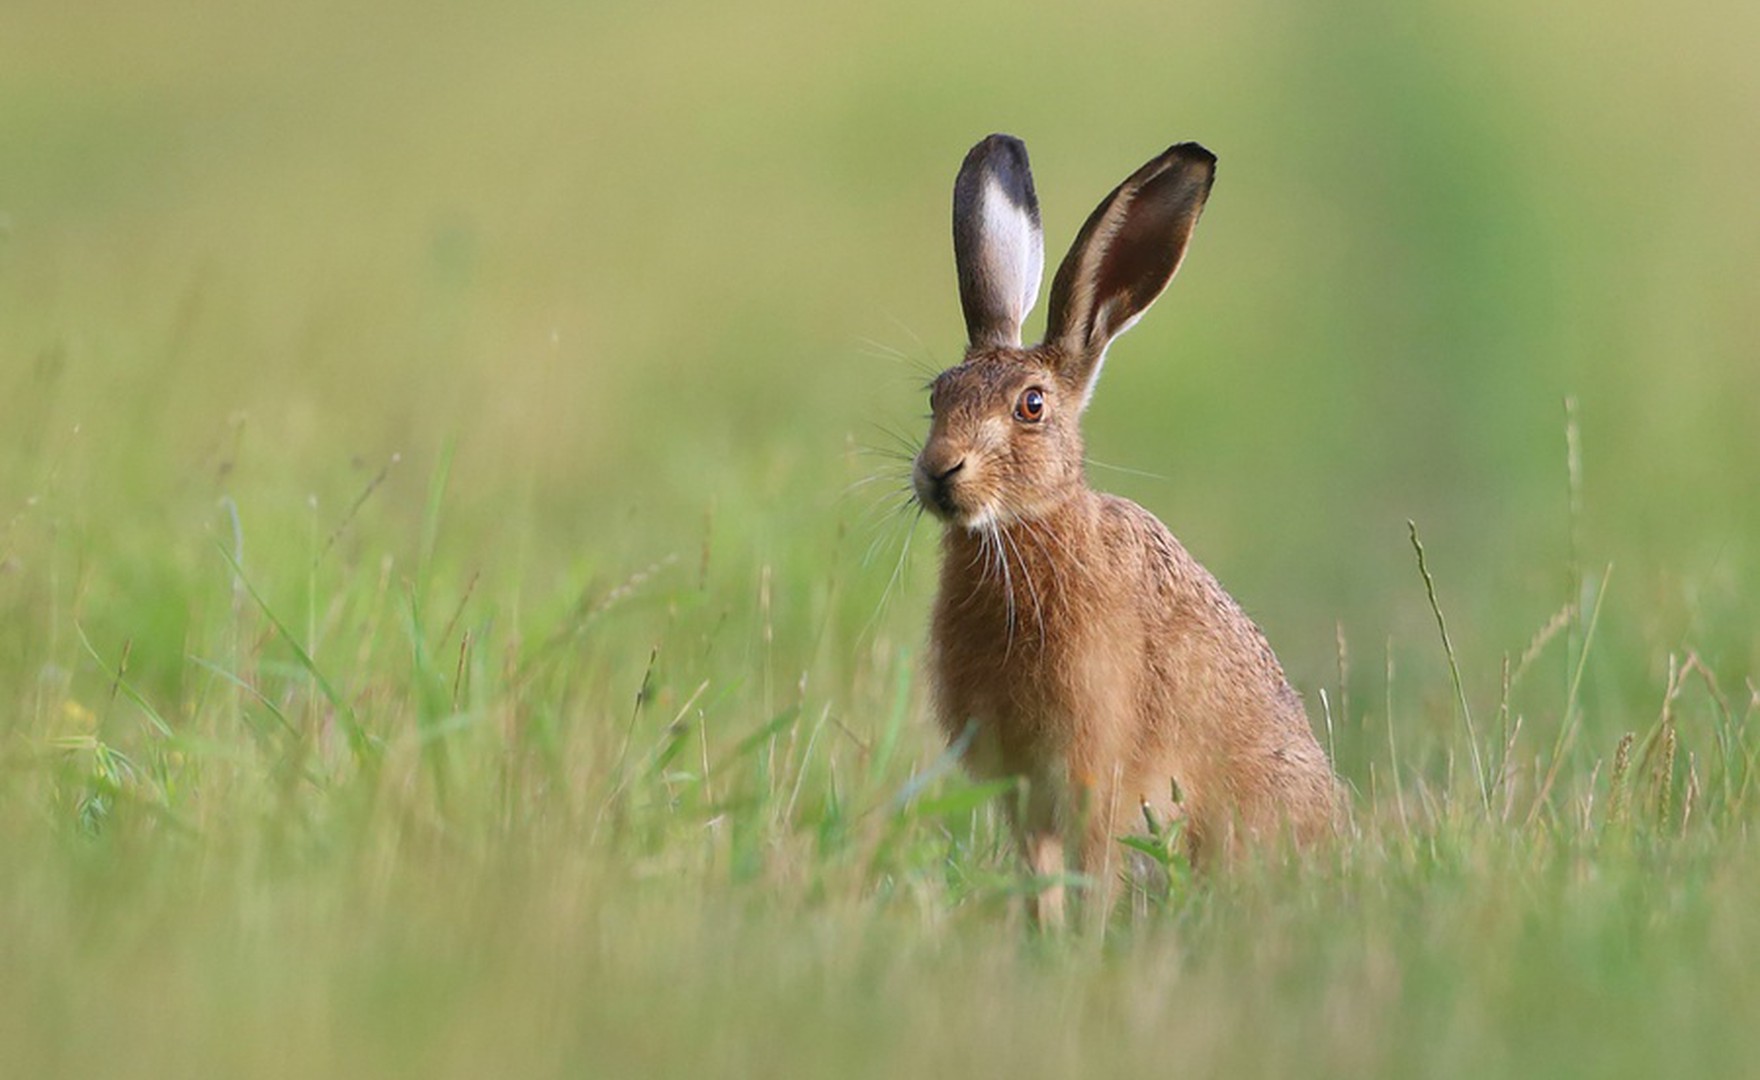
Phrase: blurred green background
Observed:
(638, 260)
(574, 328)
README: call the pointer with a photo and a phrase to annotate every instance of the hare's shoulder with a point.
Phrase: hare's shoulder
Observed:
(1187, 609)
(1135, 536)
(1165, 570)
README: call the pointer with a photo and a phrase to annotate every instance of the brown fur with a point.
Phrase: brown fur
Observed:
(1074, 637)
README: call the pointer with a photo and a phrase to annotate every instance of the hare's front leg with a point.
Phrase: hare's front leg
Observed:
(1088, 816)
(1101, 807)
(1044, 851)
(1038, 826)
(1098, 755)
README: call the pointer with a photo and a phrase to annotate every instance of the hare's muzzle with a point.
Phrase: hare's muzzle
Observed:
(935, 479)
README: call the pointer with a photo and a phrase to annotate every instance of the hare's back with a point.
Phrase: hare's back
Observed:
(1218, 691)
(1198, 632)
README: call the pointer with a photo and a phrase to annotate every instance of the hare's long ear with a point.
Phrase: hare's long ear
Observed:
(997, 244)
(1124, 257)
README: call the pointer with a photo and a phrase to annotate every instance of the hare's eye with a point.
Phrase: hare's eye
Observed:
(1030, 409)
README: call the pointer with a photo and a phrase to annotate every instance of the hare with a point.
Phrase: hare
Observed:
(1074, 643)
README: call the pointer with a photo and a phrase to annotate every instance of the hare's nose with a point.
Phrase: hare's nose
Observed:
(934, 483)
(942, 477)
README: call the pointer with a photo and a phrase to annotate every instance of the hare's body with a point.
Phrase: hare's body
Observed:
(1099, 661)
(1074, 642)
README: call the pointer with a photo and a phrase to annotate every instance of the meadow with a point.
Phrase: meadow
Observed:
(458, 615)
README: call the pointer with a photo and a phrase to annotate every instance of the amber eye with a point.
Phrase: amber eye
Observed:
(1030, 409)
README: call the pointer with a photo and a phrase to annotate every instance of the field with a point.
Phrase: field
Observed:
(458, 616)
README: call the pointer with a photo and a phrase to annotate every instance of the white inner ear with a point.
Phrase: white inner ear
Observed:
(1014, 250)
(1093, 379)
(1105, 338)
(1105, 332)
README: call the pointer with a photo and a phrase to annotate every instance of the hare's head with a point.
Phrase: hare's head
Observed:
(1005, 442)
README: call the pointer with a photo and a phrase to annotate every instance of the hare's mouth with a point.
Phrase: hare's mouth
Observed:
(961, 509)
(943, 503)
(948, 498)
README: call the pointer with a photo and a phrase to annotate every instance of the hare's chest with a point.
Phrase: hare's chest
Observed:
(1022, 688)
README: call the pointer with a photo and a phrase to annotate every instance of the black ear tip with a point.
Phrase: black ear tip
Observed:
(1002, 158)
(1191, 153)
(1002, 139)
(1005, 150)
(1180, 164)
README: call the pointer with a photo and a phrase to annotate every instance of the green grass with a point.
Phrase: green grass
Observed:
(447, 626)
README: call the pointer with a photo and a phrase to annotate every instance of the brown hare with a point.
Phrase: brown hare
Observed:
(1074, 643)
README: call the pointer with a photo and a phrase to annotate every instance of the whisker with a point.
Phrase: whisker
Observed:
(872, 501)
(910, 522)
(921, 365)
(895, 476)
(972, 565)
(903, 440)
(924, 357)
(1032, 589)
(880, 350)
(1124, 469)
(1007, 586)
(891, 517)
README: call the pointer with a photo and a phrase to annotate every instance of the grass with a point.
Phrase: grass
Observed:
(691, 818)
(450, 623)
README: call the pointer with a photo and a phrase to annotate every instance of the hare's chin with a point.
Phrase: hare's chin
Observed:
(983, 519)
(955, 516)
